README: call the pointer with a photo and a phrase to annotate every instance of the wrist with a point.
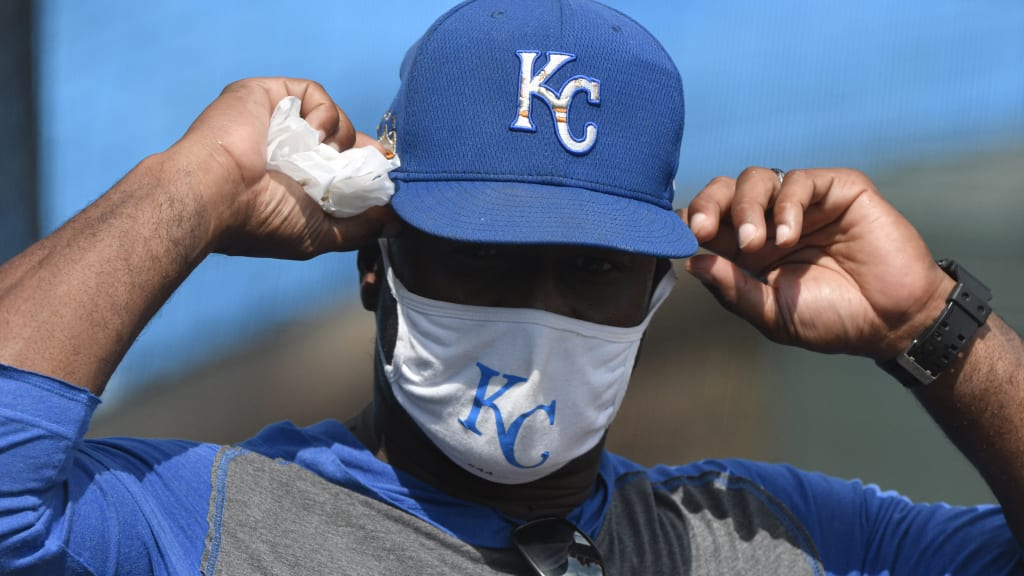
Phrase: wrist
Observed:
(214, 184)
(902, 336)
(948, 336)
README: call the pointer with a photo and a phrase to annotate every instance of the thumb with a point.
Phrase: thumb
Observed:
(357, 231)
(736, 290)
(364, 139)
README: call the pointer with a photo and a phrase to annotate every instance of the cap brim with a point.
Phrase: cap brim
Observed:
(524, 213)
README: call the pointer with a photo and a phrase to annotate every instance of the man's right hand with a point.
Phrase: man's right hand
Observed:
(72, 303)
(261, 213)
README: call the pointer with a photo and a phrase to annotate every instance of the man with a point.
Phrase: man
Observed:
(512, 277)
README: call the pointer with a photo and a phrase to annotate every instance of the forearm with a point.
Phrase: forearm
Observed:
(73, 303)
(980, 406)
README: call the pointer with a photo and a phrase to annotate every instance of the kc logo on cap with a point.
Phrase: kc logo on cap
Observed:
(531, 85)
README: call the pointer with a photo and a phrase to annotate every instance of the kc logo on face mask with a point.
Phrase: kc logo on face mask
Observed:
(507, 437)
(531, 85)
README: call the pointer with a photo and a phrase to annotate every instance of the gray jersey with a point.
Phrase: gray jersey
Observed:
(279, 518)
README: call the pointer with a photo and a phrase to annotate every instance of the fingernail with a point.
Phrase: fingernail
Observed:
(782, 233)
(746, 234)
(697, 223)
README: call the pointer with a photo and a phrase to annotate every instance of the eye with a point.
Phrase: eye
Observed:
(594, 264)
(478, 252)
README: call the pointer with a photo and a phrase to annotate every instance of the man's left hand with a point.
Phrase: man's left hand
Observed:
(819, 260)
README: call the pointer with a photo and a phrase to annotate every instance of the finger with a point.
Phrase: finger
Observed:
(755, 190)
(735, 290)
(795, 196)
(357, 231)
(707, 209)
(321, 113)
(363, 139)
(345, 136)
(724, 243)
(821, 196)
(318, 109)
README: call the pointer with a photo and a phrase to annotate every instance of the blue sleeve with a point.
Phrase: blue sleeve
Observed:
(74, 506)
(860, 529)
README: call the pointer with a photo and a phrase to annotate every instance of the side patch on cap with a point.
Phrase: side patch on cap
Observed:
(387, 135)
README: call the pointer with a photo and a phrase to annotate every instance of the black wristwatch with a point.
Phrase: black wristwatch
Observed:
(928, 356)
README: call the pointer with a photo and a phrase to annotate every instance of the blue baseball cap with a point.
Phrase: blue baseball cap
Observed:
(540, 122)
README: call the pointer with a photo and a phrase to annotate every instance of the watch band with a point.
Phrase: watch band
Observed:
(928, 356)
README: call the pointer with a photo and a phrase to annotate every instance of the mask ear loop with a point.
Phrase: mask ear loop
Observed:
(395, 285)
(385, 256)
(661, 292)
(387, 307)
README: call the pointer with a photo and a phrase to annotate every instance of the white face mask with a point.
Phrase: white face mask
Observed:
(509, 394)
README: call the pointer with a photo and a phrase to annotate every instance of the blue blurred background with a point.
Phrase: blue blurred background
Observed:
(791, 83)
(901, 90)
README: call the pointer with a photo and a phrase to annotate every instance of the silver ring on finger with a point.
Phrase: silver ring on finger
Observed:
(780, 173)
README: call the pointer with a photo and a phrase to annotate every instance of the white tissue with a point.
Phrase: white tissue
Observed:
(343, 183)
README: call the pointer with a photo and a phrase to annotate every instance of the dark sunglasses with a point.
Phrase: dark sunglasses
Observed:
(556, 547)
